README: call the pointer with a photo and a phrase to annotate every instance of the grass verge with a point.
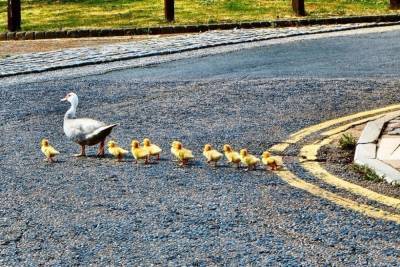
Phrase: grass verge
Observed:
(69, 14)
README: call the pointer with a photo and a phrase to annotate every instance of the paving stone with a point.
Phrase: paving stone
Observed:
(118, 32)
(3, 36)
(40, 62)
(394, 124)
(51, 35)
(371, 132)
(390, 174)
(39, 35)
(393, 163)
(94, 33)
(19, 35)
(29, 36)
(365, 151)
(10, 35)
(394, 132)
(387, 148)
(72, 34)
(86, 33)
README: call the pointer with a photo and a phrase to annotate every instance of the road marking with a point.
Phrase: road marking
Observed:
(370, 211)
(350, 125)
(294, 138)
(309, 152)
(322, 174)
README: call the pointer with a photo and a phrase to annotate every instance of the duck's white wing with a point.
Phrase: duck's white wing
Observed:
(83, 125)
(79, 129)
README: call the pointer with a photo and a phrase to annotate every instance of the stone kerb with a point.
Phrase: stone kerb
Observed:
(367, 146)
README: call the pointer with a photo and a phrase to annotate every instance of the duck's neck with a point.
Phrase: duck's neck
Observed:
(70, 114)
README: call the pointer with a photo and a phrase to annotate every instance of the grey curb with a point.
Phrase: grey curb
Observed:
(366, 149)
(196, 28)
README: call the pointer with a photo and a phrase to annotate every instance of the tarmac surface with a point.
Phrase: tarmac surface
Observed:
(95, 211)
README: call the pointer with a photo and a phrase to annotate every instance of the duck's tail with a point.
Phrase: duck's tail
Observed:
(101, 133)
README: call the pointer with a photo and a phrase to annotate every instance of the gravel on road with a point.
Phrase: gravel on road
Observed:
(95, 211)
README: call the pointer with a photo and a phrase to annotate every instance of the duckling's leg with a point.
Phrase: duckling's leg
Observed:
(275, 167)
(158, 156)
(100, 151)
(146, 160)
(183, 162)
(83, 153)
(272, 167)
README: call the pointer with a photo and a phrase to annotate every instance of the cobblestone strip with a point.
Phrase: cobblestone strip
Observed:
(44, 61)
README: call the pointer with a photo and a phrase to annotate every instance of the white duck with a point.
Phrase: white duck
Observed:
(84, 131)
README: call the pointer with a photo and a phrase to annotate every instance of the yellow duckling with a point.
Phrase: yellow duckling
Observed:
(211, 155)
(153, 149)
(182, 154)
(231, 155)
(271, 162)
(139, 152)
(173, 147)
(116, 150)
(248, 160)
(49, 151)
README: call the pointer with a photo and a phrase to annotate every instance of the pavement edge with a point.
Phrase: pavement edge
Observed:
(108, 32)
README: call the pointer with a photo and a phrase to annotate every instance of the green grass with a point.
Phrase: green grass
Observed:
(68, 14)
(367, 173)
(347, 142)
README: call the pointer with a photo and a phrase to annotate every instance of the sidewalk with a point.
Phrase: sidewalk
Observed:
(74, 57)
(10, 48)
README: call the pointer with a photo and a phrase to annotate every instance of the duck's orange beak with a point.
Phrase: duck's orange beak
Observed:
(64, 99)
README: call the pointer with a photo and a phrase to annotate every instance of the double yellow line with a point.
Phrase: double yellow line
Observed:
(309, 153)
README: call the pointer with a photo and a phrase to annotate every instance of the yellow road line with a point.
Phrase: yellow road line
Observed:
(322, 174)
(279, 147)
(310, 152)
(349, 125)
(370, 211)
(294, 138)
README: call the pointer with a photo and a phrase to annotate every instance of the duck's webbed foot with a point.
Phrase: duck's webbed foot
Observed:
(83, 153)
(100, 151)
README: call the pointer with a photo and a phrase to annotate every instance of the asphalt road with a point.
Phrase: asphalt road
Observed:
(372, 55)
(94, 211)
